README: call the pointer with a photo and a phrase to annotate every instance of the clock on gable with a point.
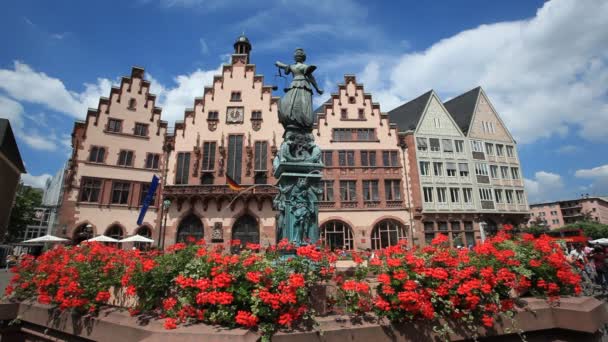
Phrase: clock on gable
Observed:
(235, 115)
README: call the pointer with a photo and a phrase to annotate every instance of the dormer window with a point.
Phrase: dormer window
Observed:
(213, 115)
(235, 96)
(132, 104)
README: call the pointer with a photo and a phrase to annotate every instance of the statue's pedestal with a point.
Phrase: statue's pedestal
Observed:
(297, 201)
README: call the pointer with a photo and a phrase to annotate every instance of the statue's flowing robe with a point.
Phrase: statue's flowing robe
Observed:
(295, 108)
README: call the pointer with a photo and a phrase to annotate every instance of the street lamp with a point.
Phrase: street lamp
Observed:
(161, 238)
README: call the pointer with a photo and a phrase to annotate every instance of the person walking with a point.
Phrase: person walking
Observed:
(598, 258)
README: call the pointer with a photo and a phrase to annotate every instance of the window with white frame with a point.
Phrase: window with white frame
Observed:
(392, 189)
(519, 194)
(422, 144)
(509, 196)
(370, 190)
(500, 150)
(435, 147)
(428, 194)
(455, 195)
(494, 171)
(437, 169)
(450, 169)
(464, 169)
(447, 145)
(425, 168)
(515, 173)
(441, 195)
(485, 194)
(490, 149)
(481, 169)
(504, 172)
(510, 151)
(498, 195)
(476, 146)
(467, 195)
(459, 144)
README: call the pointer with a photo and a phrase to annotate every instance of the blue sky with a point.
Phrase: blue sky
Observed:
(543, 65)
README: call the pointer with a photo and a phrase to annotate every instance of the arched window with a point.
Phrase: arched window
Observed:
(246, 230)
(82, 233)
(337, 234)
(114, 232)
(144, 231)
(387, 233)
(190, 228)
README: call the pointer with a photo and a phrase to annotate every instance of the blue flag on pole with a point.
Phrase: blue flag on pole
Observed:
(148, 199)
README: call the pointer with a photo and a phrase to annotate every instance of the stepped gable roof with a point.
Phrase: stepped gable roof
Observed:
(408, 114)
(462, 108)
(8, 145)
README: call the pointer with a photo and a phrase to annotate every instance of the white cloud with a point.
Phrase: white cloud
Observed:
(540, 85)
(174, 100)
(35, 181)
(11, 110)
(20, 83)
(599, 178)
(596, 172)
(545, 186)
(39, 141)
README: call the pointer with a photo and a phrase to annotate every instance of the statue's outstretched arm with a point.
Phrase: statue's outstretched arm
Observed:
(283, 66)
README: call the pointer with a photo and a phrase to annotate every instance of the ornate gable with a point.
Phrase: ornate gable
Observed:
(486, 123)
(352, 107)
(436, 120)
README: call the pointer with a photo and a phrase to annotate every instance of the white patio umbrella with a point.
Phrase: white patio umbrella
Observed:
(46, 238)
(602, 241)
(102, 238)
(137, 238)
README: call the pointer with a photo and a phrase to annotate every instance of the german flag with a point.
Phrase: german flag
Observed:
(232, 184)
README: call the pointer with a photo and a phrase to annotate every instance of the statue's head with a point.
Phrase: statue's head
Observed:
(299, 55)
(302, 181)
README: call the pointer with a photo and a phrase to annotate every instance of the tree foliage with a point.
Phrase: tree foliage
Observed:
(22, 214)
(535, 230)
(592, 230)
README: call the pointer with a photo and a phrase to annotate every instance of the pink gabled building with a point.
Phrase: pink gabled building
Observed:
(116, 151)
(560, 213)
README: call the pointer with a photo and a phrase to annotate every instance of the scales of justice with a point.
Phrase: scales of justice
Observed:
(297, 165)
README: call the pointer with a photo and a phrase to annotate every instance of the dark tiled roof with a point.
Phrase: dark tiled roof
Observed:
(321, 108)
(408, 114)
(8, 145)
(462, 107)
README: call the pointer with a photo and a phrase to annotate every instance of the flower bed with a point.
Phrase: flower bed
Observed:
(271, 291)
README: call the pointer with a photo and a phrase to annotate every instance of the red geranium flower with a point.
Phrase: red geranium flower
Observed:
(246, 319)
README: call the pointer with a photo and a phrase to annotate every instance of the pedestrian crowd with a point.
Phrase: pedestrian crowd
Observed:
(591, 260)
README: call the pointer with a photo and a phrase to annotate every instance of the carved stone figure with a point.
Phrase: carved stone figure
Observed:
(295, 108)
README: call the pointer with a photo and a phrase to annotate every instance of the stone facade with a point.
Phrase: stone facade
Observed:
(374, 181)
(360, 152)
(116, 151)
(455, 190)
